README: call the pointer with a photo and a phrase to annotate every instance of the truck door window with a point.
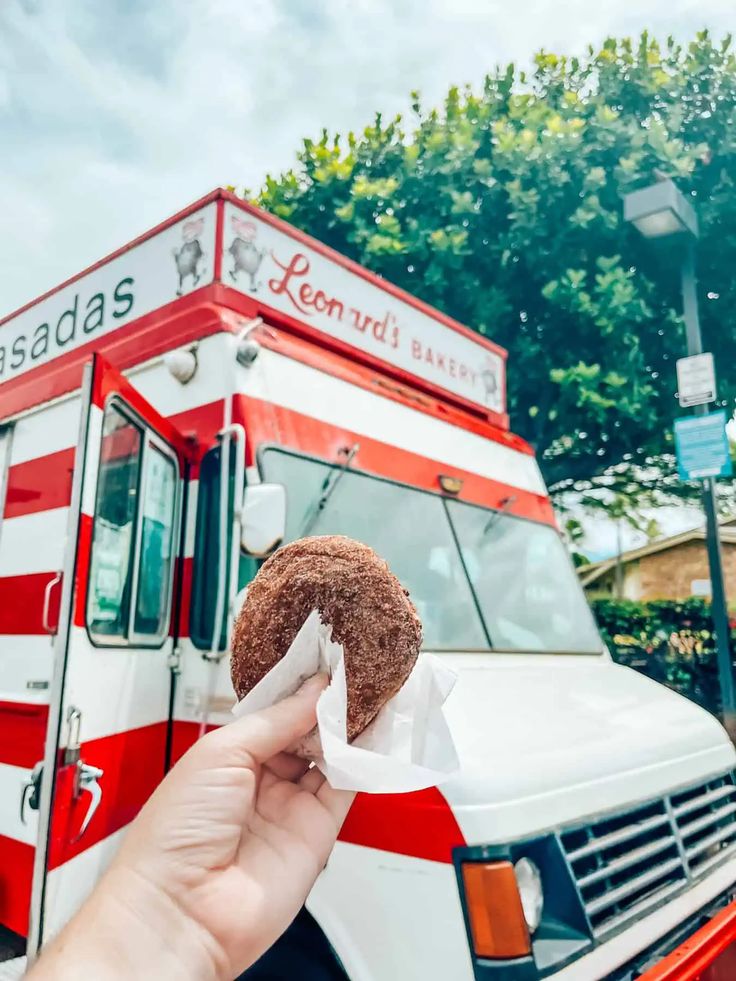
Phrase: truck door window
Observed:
(110, 575)
(133, 534)
(156, 543)
(208, 553)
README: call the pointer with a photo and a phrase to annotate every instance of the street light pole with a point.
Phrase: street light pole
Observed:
(662, 211)
(690, 305)
(719, 607)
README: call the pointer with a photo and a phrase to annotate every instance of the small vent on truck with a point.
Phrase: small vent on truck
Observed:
(627, 864)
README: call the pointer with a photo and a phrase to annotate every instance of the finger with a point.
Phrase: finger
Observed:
(337, 802)
(312, 780)
(286, 766)
(264, 734)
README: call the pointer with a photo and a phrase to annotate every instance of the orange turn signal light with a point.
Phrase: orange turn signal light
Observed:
(496, 916)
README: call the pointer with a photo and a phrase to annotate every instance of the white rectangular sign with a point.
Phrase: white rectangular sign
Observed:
(176, 261)
(291, 277)
(696, 380)
(700, 587)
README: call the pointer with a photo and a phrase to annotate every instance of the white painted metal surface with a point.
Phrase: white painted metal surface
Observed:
(547, 740)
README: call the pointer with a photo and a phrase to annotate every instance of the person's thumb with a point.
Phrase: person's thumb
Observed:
(258, 737)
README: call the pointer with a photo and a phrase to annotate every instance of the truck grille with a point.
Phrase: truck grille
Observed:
(629, 863)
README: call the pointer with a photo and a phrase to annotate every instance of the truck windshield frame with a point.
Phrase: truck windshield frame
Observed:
(431, 547)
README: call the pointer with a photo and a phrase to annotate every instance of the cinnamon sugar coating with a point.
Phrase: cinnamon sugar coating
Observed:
(355, 591)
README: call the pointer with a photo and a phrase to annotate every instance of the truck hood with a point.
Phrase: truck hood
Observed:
(548, 740)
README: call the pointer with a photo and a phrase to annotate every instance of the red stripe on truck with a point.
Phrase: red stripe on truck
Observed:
(184, 735)
(420, 824)
(133, 766)
(22, 733)
(199, 426)
(40, 484)
(16, 873)
(21, 603)
(84, 547)
(45, 482)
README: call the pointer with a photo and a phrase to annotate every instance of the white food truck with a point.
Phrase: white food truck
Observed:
(171, 415)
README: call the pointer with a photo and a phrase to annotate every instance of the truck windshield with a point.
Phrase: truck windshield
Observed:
(479, 579)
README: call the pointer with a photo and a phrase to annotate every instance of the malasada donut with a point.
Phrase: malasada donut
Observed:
(355, 591)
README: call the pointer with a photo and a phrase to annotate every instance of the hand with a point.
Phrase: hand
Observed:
(218, 862)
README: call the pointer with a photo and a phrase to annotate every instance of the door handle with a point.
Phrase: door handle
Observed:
(31, 792)
(47, 604)
(85, 779)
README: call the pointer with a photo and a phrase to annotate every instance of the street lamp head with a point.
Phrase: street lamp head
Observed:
(660, 210)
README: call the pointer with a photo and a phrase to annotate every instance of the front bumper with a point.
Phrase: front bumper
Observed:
(708, 955)
(643, 946)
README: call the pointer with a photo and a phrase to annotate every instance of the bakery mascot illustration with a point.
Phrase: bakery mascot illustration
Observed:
(246, 255)
(489, 380)
(189, 255)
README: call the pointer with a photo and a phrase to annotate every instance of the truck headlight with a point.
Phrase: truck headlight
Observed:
(523, 910)
(529, 881)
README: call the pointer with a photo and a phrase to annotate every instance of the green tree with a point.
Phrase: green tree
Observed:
(573, 531)
(504, 210)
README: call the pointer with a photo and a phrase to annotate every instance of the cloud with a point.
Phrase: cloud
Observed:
(114, 115)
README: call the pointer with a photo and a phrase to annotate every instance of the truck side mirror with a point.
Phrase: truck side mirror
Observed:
(263, 523)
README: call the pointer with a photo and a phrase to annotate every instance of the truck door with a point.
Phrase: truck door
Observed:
(107, 739)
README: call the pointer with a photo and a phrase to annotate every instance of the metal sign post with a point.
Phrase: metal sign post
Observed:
(719, 606)
(661, 211)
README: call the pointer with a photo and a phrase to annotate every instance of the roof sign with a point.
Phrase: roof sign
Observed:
(291, 277)
(285, 272)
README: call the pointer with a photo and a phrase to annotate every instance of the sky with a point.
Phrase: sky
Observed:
(117, 113)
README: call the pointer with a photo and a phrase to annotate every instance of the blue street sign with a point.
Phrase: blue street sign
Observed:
(702, 446)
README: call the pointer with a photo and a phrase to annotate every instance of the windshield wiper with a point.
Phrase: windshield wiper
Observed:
(328, 489)
(506, 504)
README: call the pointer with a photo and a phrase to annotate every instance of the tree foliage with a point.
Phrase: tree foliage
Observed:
(503, 208)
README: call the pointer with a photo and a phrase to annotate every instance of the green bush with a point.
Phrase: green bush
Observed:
(670, 641)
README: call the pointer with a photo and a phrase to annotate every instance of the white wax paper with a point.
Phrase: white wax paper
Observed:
(408, 745)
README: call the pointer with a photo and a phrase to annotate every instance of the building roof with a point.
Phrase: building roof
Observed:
(596, 570)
